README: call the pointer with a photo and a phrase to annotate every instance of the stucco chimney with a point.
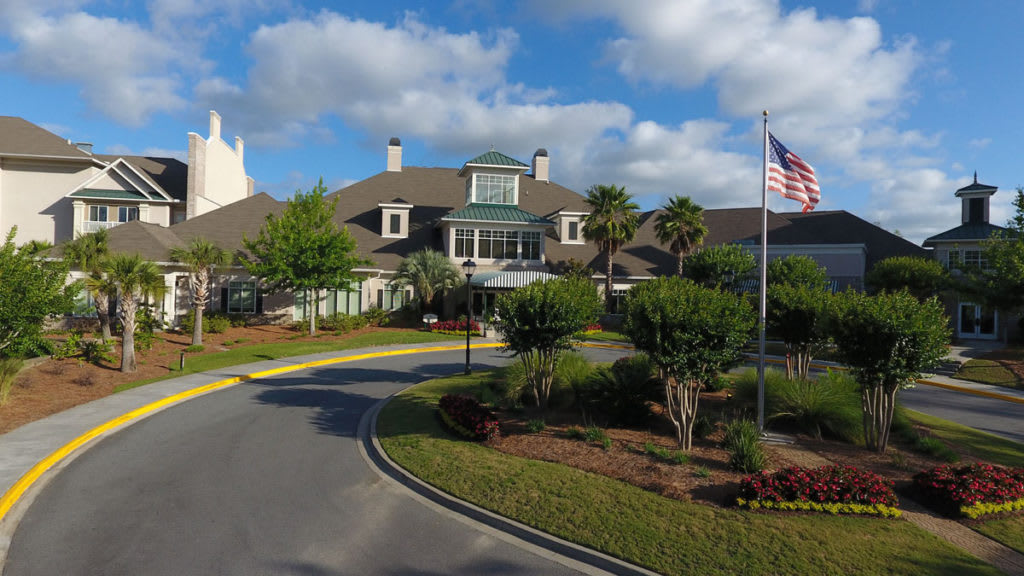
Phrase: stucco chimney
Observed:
(540, 165)
(239, 147)
(394, 155)
(214, 125)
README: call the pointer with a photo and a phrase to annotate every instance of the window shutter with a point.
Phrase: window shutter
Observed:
(224, 299)
(259, 301)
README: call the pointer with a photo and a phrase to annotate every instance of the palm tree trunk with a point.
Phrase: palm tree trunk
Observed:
(679, 264)
(103, 312)
(197, 326)
(128, 308)
(608, 284)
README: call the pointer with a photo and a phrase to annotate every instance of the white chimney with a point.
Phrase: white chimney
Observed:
(394, 155)
(214, 125)
(540, 165)
(239, 147)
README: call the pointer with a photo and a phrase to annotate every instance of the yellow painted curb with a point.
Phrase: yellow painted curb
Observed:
(11, 497)
(974, 391)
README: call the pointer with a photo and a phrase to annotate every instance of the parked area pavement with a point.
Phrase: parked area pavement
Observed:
(267, 476)
(293, 485)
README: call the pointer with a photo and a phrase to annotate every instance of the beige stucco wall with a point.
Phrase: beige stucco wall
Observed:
(216, 175)
(32, 197)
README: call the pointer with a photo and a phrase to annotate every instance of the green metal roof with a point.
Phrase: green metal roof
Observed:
(497, 213)
(111, 194)
(493, 158)
(965, 232)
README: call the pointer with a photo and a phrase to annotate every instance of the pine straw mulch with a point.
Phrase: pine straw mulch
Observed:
(628, 461)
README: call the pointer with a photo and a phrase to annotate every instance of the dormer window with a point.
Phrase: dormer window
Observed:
(491, 189)
(570, 227)
(394, 218)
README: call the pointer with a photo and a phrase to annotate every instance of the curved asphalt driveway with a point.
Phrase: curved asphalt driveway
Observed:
(264, 477)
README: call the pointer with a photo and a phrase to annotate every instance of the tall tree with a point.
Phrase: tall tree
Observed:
(542, 320)
(681, 226)
(86, 253)
(797, 309)
(201, 257)
(30, 291)
(922, 277)
(429, 272)
(135, 279)
(692, 333)
(887, 340)
(612, 222)
(303, 249)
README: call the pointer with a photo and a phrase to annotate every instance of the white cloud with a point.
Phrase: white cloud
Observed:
(919, 203)
(979, 143)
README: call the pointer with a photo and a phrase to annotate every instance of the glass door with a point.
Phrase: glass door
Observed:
(976, 321)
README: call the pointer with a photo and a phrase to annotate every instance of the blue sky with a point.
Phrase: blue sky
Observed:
(895, 104)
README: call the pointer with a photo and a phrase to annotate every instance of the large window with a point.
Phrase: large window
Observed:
(531, 246)
(495, 188)
(97, 213)
(242, 297)
(464, 240)
(499, 244)
(966, 259)
(127, 213)
(345, 301)
(391, 298)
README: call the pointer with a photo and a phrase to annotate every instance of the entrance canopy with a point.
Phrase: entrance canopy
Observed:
(508, 280)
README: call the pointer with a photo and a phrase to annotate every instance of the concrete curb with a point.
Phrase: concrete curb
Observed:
(545, 545)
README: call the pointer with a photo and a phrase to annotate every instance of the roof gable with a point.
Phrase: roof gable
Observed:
(493, 159)
(19, 137)
(121, 180)
(499, 213)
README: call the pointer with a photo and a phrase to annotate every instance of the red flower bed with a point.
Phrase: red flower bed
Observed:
(853, 490)
(468, 417)
(972, 490)
(454, 326)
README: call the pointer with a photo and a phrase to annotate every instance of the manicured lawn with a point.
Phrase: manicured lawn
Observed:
(668, 536)
(607, 336)
(1009, 531)
(979, 444)
(260, 352)
(989, 372)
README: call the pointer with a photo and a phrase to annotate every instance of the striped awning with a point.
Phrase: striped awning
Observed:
(512, 279)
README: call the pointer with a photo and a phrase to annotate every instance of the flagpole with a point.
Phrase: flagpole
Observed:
(764, 279)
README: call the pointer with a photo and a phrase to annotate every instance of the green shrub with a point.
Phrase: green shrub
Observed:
(743, 441)
(69, 348)
(830, 404)
(213, 322)
(594, 434)
(147, 320)
(536, 425)
(662, 453)
(575, 433)
(343, 323)
(619, 393)
(9, 368)
(144, 341)
(703, 426)
(95, 351)
(194, 348)
(376, 316)
(702, 472)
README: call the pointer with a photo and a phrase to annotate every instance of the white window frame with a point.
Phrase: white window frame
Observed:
(508, 194)
(124, 213)
(501, 238)
(531, 236)
(94, 210)
(465, 243)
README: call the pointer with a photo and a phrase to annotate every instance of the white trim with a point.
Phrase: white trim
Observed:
(113, 166)
(395, 206)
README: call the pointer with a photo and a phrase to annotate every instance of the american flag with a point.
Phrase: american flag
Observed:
(790, 176)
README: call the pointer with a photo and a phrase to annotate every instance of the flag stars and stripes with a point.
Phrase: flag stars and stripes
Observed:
(790, 176)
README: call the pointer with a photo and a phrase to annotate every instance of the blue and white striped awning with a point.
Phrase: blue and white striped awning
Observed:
(508, 280)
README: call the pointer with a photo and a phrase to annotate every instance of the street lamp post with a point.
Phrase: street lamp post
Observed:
(468, 267)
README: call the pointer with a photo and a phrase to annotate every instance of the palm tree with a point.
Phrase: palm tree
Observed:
(681, 226)
(200, 258)
(429, 272)
(612, 222)
(134, 278)
(87, 253)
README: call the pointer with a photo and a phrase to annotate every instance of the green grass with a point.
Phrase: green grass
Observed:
(1009, 531)
(669, 536)
(973, 442)
(988, 372)
(271, 351)
(607, 336)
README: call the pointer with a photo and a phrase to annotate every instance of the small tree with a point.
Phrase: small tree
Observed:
(922, 277)
(136, 279)
(681, 226)
(692, 333)
(542, 320)
(612, 222)
(30, 291)
(711, 267)
(797, 302)
(87, 253)
(201, 257)
(888, 340)
(429, 272)
(303, 249)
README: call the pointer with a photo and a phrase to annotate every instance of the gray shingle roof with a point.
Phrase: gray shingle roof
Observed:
(19, 137)
(966, 232)
(168, 173)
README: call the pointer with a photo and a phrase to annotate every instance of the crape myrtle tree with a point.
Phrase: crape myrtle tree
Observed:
(797, 308)
(542, 320)
(887, 340)
(429, 272)
(303, 249)
(200, 258)
(922, 277)
(692, 333)
(612, 223)
(681, 226)
(714, 266)
(31, 290)
(135, 279)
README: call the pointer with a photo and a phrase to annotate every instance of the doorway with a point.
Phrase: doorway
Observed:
(976, 321)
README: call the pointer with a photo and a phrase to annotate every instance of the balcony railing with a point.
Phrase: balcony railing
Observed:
(89, 226)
